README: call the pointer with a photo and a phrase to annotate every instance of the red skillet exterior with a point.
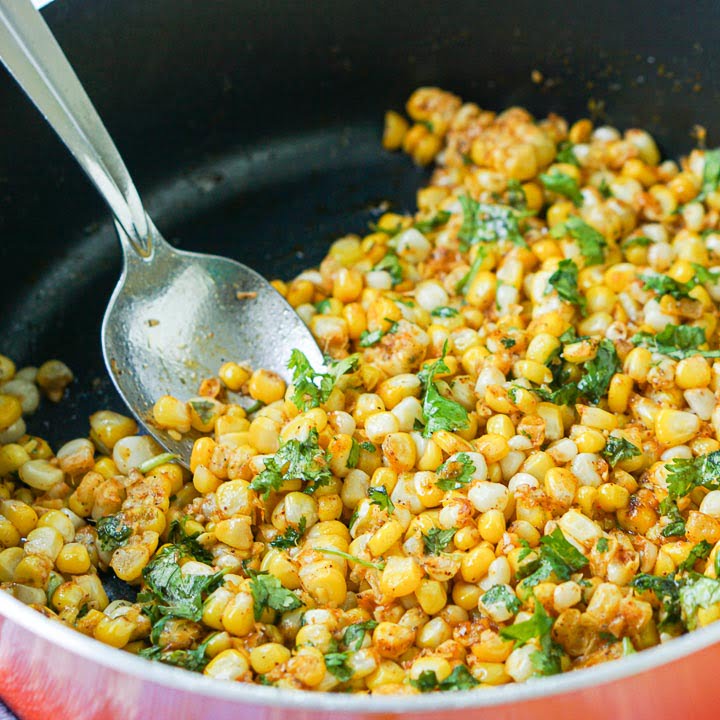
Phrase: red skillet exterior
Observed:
(50, 672)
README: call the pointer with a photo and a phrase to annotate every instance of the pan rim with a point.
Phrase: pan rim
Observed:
(169, 677)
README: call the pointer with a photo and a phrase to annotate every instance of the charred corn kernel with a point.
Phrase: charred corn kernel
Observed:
(612, 497)
(73, 559)
(324, 582)
(106, 467)
(675, 427)
(171, 413)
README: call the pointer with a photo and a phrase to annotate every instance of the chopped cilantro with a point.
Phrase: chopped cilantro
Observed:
(665, 285)
(440, 218)
(711, 173)
(459, 679)
(291, 537)
(591, 243)
(676, 341)
(379, 496)
(313, 388)
(703, 275)
(178, 535)
(455, 474)
(638, 241)
(546, 660)
(697, 552)
(566, 154)
(564, 280)
(508, 342)
(368, 446)
(556, 557)
(436, 539)
(444, 312)
(562, 184)
(336, 663)
(599, 372)
(667, 591)
(602, 545)
(618, 449)
(355, 634)
(627, 647)
(676, 522)
(391, 264)
(174, 593)
(195, 660)
(695, 593)
(685, 474)
(516, 195)
(439, 412)
(268, 592)
(205, 409)
(604, 188)
(323, 306)
(295, 460)
(368, 339)
(499, 594)
(112, 532)
(467, 280)
(486, 223)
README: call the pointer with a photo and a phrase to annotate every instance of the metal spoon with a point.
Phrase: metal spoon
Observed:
(175, 316)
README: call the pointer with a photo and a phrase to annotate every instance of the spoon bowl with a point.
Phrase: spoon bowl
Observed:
(174, 316)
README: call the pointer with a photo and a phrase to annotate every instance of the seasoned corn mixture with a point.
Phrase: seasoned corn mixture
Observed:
(509, 466)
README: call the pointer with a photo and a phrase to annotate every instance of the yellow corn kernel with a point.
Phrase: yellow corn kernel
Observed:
(501, 425)
(400, 451)
(475, 564)
(114, 631)
(692, 372)
(264, 435)
(233, 375)
(238, 618)
(491, 525)
(21, 515)
(533, 371)
(169, 412)
(268, 656)
(73, 559)
(385, 537)
(612, 497)
(204, 481)
(12, 456)
(675, 427)
(401, 576)
(619, 392)
(597, 418)
(588, 440)
(266, 386)
(106, 467)
(10, 410)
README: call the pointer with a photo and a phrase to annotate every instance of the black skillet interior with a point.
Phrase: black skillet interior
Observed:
(252, 129)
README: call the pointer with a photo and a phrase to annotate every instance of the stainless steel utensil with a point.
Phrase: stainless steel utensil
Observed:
(175, 316)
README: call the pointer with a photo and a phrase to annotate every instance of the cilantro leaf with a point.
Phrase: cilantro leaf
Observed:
(564, 280)
(379, 496)
(368, 339)
(637, 241)
(676, 522)
(295, 460)
(445, 312)
(556, 556)
(704, 275)
(565, 395)
(508, 342)
(665, 285)
(602, 545)
(354, 454)
(676, 341)
(697, 592)
(499, 594)
(467, 280)
(697, 552)
(599, 372)
(268, 592)
(455, 474)
(437, 539)
(538, 625)
(175, 593)
(194, 660)
(440, 218)
(562, 184)
(618, 449)
(566, 154)
(591, 243)
(711, 173)
(486, 223)
(112, 532)
(291, 537)
(391, 264)
(459, 679)
(178, 535)
(667, 591)
(439, 412)
(313, 388)
(516, 195)
(368, 446)
(685, 474)
(355, 634)
(336, 663)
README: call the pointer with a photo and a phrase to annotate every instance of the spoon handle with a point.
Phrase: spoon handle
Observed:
(32, 55)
